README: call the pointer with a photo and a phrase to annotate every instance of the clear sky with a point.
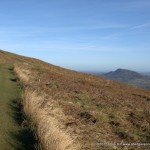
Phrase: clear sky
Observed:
(91, 35)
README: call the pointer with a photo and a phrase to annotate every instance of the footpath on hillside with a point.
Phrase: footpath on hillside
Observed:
(12, 135)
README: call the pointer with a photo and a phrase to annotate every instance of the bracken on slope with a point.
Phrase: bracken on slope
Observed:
(76, 111)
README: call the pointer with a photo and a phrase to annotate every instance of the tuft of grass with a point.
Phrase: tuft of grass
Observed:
(53, 85)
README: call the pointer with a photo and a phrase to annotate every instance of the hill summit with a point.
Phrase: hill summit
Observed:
(130, 77)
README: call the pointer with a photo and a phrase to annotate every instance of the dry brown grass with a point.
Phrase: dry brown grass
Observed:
(66, 104)
(23, 74)
(50, 130)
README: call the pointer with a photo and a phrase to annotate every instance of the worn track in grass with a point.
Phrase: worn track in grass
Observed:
(12, 135)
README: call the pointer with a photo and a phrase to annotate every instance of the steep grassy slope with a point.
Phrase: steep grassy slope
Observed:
(72, 110)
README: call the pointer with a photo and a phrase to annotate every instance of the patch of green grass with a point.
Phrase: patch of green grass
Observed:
(12, 133)
(54, 85)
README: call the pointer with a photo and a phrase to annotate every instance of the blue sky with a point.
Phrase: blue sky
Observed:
(87, 35)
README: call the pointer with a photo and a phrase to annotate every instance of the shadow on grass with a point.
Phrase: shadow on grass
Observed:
(25, 137)
(17, 109)
(13, 79)
(11, 68)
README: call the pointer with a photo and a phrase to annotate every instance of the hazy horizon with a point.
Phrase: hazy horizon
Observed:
(81, 35)
(107, 71)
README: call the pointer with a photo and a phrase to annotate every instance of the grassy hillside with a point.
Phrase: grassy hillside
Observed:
(73, 110)
(12, 134)
(8, 92)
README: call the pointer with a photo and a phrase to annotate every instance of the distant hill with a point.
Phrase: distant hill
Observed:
(130, 77)
(146, 73)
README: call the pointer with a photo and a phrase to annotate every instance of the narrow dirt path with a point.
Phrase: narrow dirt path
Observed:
(9, 92)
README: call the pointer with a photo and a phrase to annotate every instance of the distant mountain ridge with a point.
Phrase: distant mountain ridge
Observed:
(130, 77)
